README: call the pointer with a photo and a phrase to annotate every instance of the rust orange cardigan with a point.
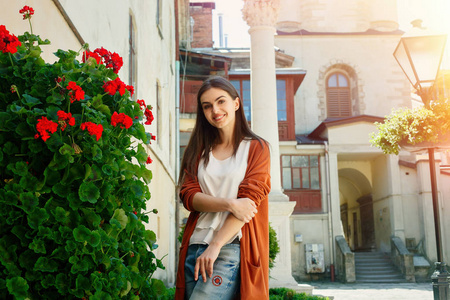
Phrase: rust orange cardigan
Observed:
(255, 234)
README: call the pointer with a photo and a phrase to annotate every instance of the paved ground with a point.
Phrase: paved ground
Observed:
(372, 291)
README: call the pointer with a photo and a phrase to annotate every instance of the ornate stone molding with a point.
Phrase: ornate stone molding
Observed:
(261, 12)
(356, 83)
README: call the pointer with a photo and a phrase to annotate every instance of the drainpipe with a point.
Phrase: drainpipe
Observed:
(177, 131)
(330, 219)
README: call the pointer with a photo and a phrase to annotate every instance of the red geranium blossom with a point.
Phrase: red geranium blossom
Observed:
(64, 119)
(76, 92)
(130, 88)
(149, 115)
(149, 160)
(121, 119)
(117, 85)
(111, 60)
(8, 42)
(94, 55)
(44, 127)
(141, 103)
(93, 129)
(27, 12)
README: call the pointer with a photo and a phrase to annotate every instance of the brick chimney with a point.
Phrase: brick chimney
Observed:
(201, 12)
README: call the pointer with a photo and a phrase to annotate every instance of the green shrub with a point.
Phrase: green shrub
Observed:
(289, 294)
(73, 177)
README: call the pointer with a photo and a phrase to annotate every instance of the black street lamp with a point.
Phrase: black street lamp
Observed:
(419, 54)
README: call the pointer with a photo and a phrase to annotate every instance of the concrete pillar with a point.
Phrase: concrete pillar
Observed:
(261, 16)
(335, 195)
(396, 202)
(423, 172)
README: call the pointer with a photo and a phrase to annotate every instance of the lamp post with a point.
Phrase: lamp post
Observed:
(419, 54)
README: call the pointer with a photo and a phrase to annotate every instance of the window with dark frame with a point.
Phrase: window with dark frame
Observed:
(338, 96)
(243, 88)
(300, 172)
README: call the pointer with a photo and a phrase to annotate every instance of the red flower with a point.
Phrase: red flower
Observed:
(44, 127)
(121, 119)
(88, 54)
(149, 115)
(93, 129)
(111, 60)
(141, 103)
(27, 12)
(113, 86)
(149, 160)
(64, 119)
(76, 92)
(130, 88)
(8, 42)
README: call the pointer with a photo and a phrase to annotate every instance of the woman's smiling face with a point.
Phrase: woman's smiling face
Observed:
(219, 108)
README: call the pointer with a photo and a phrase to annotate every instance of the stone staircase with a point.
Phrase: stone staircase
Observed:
(376, 267)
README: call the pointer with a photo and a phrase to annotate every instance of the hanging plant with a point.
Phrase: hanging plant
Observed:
(73, 176)
(414, 128)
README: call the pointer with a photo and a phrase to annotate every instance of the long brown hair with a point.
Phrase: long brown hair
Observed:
(205, 136)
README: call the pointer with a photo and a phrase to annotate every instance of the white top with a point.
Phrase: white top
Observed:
(220, 178)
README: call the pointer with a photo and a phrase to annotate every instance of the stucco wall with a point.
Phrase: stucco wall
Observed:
(380, 82)
(314, 230)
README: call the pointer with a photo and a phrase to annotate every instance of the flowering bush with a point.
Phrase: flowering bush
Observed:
(72, 202)
(413, 126)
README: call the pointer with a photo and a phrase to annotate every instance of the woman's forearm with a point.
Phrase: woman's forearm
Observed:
(243, 209)
(204, 264)
(230, 228)
(206, 203)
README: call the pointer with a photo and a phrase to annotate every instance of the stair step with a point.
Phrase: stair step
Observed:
(381, 280)
(376, 267)
(377, 272)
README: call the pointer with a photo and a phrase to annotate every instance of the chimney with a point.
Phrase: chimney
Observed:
(201, 12)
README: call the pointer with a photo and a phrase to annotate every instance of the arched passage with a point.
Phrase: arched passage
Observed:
(357, 209)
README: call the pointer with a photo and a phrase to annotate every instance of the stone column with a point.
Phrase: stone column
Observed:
(396, 201)
(261, 16)
(427, 214)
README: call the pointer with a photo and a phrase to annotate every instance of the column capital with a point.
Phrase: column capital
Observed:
(261, 12)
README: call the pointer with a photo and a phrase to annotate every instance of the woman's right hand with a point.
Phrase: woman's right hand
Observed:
(243, 209)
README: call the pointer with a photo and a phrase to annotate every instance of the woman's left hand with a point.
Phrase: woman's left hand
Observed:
(205, 262)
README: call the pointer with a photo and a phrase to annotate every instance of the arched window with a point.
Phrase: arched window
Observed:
(338, 96)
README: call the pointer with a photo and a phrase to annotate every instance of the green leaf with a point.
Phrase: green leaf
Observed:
(18, 287)
(61, 190)
(61, 215)
(30, 101)
(150, 238)
(81, 233)
(58, 162)
(66, 150)
(120, 217)
(19, 168)
(37, 217)
(141, 155)
(89, 192)
(38, 246)
(82, 283)
(62, 283)
(29, 201)
(45, 264)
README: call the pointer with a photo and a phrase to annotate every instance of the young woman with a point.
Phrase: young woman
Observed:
(225, 182)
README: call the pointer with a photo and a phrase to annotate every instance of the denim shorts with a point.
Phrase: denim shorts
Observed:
(225, 280)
